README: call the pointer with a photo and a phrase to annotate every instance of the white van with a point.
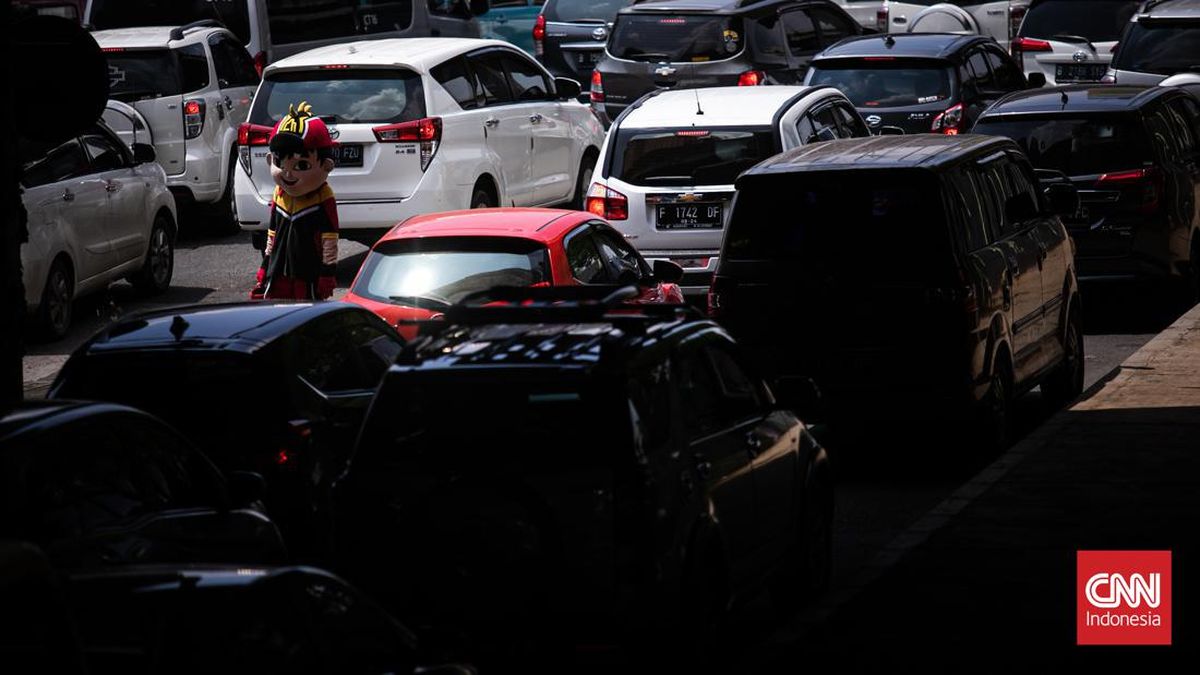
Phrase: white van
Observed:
(273, 29)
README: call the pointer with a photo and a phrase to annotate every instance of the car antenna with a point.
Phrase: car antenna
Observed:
(696, 91)
(179, 326)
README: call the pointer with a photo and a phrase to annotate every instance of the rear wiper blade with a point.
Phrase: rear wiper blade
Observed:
(668, 180)
(1079, 39)
(421, 301)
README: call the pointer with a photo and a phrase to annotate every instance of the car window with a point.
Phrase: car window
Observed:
(1020, 182)
(991, 191)
(193, 67)
(232, 62)
(980, 74)
(717, 391)
(584, 258)
(623, 262)
(489, 69)
(106, 153)
(1008, 75)
(1162, 47)
(306, 20)
(806, 129)
(825, 125)
(768, 39)
(678, 38)
(344, 352)
(800, 33)
(849, 121)
(526, 80)
(458, 81)
(60, 162)
(342, 96)
(699, 394)
(965, 203)
(833, 27)
(650, 391)
(454, 9)
(1189, 111)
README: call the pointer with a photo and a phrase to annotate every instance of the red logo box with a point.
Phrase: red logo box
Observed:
(1123, 598)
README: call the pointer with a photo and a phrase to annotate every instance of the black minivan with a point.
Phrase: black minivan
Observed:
(923, 277)
(569, 35)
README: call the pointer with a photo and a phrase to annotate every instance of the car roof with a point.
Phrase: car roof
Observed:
(543, 225)
(149, 37)
(423, 53)
(1077, 98)
(29, 416)
(722, 106)
(178, 577)
(902, 45)
(924, 151)
(244, 326)
(1169, 9)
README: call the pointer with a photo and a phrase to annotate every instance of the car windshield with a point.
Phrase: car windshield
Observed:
(675, 38)
(883, 84)
(342, 96)
(127, 13)
(443, 271)
(1095, 20)
(1077, 146)
(1160, 47)
(584, 10)
(680, 157)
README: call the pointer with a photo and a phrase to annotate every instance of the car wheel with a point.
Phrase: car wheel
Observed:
(1065, 384)
(224, 220)
(995, 424)
(54, 312)
(482, 199)
(808, 563)
(584, 181)
(159, 266)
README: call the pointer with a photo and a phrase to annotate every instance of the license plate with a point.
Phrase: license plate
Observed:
(1091, 72)
(589, 58)
(349, 154)
(693, 215)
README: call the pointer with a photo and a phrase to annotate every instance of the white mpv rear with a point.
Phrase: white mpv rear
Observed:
(425, 125)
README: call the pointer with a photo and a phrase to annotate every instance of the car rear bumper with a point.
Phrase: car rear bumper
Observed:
(201, 179)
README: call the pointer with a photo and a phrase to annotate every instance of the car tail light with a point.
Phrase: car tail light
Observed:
(250, 135)
(1016, 14)
(1020, 45)
(717, 295)
(260, 62)
(751, 78)
(607, 202)
(949, 122)
(426, 131)
(539, 34)
(299, 436)
(1150, 180)
(597, 91)
(881, 19)
(193, 117)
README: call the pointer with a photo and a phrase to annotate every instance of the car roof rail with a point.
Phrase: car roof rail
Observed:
(177, 32)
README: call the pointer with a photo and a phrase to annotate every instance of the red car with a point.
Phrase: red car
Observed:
(427, 263)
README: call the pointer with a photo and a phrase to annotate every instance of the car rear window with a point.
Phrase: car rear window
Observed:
(1160, 47)
(843, 223)
(342, 96)
(886, 84)
(675, 37)
(444, 270)
(138, 74)
(584, 11)
(1077, 146)
(233, 14)
(1095, 20)
(310, 20)
(690, 156)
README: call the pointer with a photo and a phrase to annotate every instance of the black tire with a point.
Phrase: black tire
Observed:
(583, 181)
(159, 266)
(482, 198)
(54, 311)
(224, 219)
(994, 429)
(808, 563)
(1065, 384)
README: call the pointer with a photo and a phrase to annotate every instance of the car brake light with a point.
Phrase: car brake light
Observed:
(607, 202)
(692, 132)
(112, 49)
(334, 66)
(1016, 14)
(597, 91)
(751, 78)
(260, 62)
(426, 131)
(1024, 44)
(539, 34)
(250, 135)
(1150, 179)
(881, 19)
(193, 117)
(950, 121)
(284, 457)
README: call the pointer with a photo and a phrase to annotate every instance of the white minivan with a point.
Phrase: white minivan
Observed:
(424, 125)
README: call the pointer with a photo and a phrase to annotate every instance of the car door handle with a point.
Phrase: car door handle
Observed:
(228, 104)
(491, 123)
(754, 443)
(68, 196)
(536, 118)
(111, 186)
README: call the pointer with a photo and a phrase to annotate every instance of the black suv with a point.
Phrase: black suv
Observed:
(928, 276)
(1133, 154)
(582, 473)
(569, 35)
(712, 43)
(920, 82)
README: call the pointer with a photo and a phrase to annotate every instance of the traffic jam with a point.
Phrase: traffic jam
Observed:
(636, 278)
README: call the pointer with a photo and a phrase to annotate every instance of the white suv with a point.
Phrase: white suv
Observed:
(192, 86)
(1071, 41)
(996, 18)
(425, 125)
(665, 177)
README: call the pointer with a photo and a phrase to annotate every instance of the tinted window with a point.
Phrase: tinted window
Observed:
(344, 352)
(739, 394)
(193, 67)
(623, 262)
(700, 394)
(688, 156)
(446, 270)
(800, 33)
(1077, 146)
(850, 121)
(768, 38)
(124, 13)
(896, 84)
(106, 153)
(978, 67)
(833, 27)
(305, 20)
(144, 73)
(232, 62)
(455, 9)
(1008, 75)
(458, 81)
(969, 215)
(651, 391)
(493, 81)
(584, 10)
(584, 257)
(527, 81)
(825, 125)
(51, 165)
(677, 38)
(346, 96)
(1161, 47)
(1096, 20)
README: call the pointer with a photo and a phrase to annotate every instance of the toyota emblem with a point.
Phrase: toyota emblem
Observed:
(1080, 57)
(600, 33)
(874, 120)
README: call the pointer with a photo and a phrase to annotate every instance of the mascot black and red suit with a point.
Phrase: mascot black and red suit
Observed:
(300, 259)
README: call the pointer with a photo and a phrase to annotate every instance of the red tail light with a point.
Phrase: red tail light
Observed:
(1024, 44)
(260, 62)
(607, 203)
(426, 131)
(193, 117)
(949, 122)
(881, 19)
(539, 34)
(751, 78)
(597, 92)
(251, 135)
(1150, 180)
(1016, 14)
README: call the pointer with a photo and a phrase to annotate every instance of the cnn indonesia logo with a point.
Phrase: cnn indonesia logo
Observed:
(1124, 598)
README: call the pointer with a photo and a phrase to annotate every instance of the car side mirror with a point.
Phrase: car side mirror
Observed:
(567, 89)
(801, 396)
(1063, 198)
(667, 271)
(479, 7)
(246, 488)
(143, 153)
(1036, 80)
(889, 131)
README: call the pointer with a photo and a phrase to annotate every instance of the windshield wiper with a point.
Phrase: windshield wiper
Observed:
(667, 180)
(1075, 39)
(635, 54)
(422, 301)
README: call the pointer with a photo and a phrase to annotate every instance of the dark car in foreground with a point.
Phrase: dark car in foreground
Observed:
(1132, 152)
(97, 484)
(712, 43)
(920, 82)
(582, 473)
(274, 388)
(926, 278)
